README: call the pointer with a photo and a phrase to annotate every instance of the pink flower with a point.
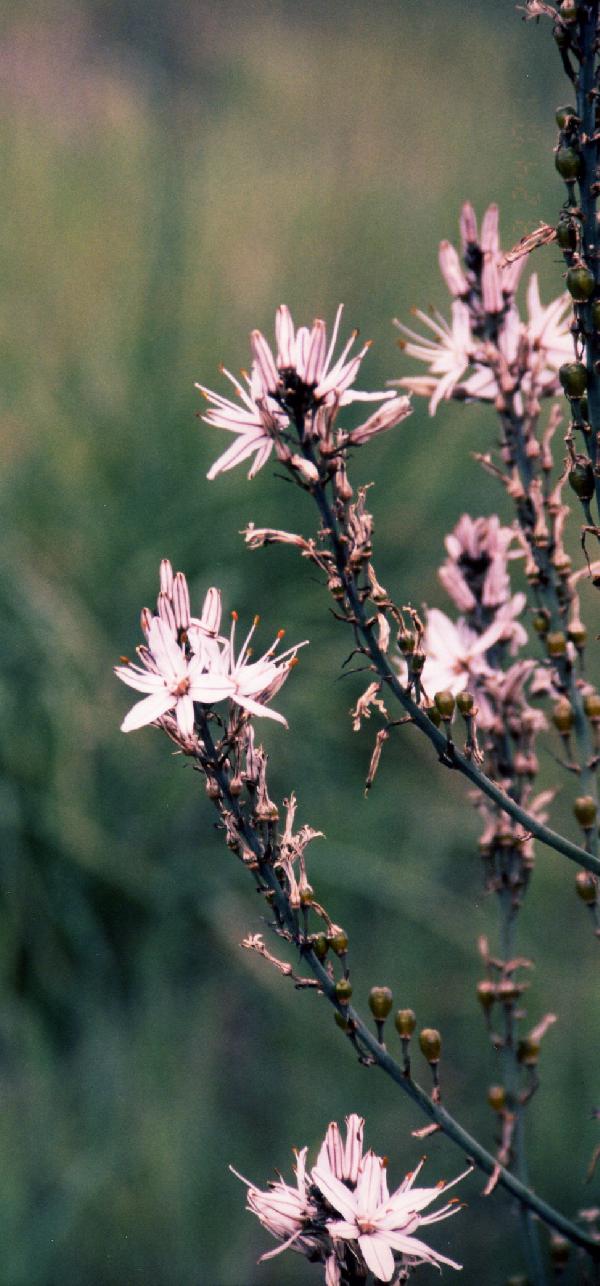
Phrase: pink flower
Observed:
(448, 356)
(476, 568)
(382, 1224)
(284, 1210)
(256, 420)
(171, 680)
(344, 1160)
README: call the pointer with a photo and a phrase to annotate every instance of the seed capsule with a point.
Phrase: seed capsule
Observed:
(563, 114)
(541, 623)
(591, 705)
(578, 635)
(320, 946)
(430, 1042)
(562, 716)
(496, 1097)
(581, 284)
(585, 809)
(339, 942)
(566, 234)
(343, 990)
(586, 887)
(556, 643)
(528, 1051)
(465, 702)
(445, 703)
(573, 377)
(380, 1002)
(433, 715)
(341, 1021)
(568, 163)
(486, 993)
(581, 478)
(405, 1022)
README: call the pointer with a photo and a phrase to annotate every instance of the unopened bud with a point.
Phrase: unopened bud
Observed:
(568, 163)
(556, 643)
(486, 993)
(496, 1097)
(405, 1021)
(581, 284)
(586, 887)
(465, 702)
(585, 809)
(380, 1002)
(343, 990)
(430, 1043)
(445, 703)
(563, 717)
(573, 377)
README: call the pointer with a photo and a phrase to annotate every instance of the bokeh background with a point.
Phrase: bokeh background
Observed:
(172, 171)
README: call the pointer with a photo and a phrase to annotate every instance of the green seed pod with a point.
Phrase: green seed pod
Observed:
(486, 993)
(341, 1021)
(596, 314)
(405, 1021)
(559, 1250)
(380, 1002)
(320, 946)
(541, 623)
(573, 377)
(566, 234)
(568, 10)
(445, 703)
(406, 643)
(528, 1051)
(343, 990)
(586, 887)
(581, 284)
(563, 717)
(465, 702)
(563, 114)
(585, 809)
(417, 661)
(578, 635)
(568, 163)
(496, 1097)
(556, 643)
(430, 1042)
(591, 705)
(433, 715)
(339, 942)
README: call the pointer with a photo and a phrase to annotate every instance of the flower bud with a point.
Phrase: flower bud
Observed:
(528, 1051)
(320, 946)
(581, 478)
(380, 1002)
(585, 809)
(339, 942)
(563, 114)
(563, 717)
(591, 705)
(343, 990)
(430, 1042)
(586, 887)
(573, 377)
(405, 1022)
(444, 703)
(486, 993)
(581, 284)
(496, 1097)
(556, 643)
(568, 163)
(465, 702)
(566, 234)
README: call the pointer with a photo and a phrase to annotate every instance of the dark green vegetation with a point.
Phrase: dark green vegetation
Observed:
(172, 172)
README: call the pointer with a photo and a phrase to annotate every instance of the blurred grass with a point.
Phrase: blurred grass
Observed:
(172, 172)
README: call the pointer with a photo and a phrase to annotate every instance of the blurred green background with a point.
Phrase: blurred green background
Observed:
(173, 171)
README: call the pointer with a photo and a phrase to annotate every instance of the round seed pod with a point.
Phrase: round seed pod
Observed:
(343, 990)
(433, 715)
(528, 1051)
(578, 635)
(591, 705)
(445, 703)
(568, 163)
(581, 284)
(586, 887)
(341, 1021)
(406, 642)
(465, 702)
(320, 946)
(541, 622)
(581, 478)
(573, 377)
(563, 717)
(430, 1042)
(405, 1021)
(486, 993)
(380, 1002)
(339, 942)
(496, 1097)
(566, 234)
(563, 114)
(556, 643)
(585, 809)
(417, 661)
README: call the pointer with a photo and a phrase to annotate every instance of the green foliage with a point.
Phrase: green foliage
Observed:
(173, 173)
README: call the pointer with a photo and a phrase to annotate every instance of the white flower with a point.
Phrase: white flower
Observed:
(448, 356)
(253, 683)
(380, 1223)
(171, 680)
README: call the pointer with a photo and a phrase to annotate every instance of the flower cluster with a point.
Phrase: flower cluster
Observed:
(186, 660)
(341, 1212)
(292, 397)
(486, 339)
